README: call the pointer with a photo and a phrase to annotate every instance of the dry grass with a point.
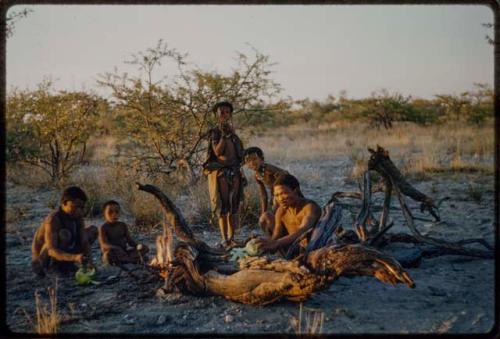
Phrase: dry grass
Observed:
(47, 315)
(194, 202)
(29, 176)
(250, 207)
(102, 183)
(416, 149)
(310, 321)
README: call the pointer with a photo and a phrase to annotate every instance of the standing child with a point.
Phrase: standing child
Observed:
(114, 237)
(223, 170)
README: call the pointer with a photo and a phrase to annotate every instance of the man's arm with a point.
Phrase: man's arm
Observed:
(51, 231)
(269, 244)
(262, 196)
(312, 214)
(218, 142)
(278, 223)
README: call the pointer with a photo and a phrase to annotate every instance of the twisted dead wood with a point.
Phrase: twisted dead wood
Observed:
(196, 268)
(176, 220)
(395, 182)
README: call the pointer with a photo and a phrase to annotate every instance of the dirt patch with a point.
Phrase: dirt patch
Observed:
(453, 294)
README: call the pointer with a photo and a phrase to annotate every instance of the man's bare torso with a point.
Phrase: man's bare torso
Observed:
(292, 217)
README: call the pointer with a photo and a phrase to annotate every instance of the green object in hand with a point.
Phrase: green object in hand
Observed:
(252, 248)
(238, 253)
(84, 276)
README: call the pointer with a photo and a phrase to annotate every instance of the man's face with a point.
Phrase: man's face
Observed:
(284, 195)
(112, 213)
(253, 161)
(74, 208)
(224, 114)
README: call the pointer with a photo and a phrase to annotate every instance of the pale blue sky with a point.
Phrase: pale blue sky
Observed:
(320, 50)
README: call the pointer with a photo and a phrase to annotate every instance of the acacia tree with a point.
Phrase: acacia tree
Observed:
(481, 103)
(50, 130)
(473, 106)
(383, 108)
(166, 118)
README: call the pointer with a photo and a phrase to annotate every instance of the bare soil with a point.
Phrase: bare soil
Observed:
(453, 294)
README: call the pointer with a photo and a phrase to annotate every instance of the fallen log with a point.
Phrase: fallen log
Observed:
(260, 281)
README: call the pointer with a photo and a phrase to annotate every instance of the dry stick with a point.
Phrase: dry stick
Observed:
(445, 247)
(383, 228)
(362, 217)
(176, 220)
(375, 240)
(387, 204)
(380, 162)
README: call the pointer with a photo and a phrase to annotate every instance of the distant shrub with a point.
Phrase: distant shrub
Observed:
(50, 130)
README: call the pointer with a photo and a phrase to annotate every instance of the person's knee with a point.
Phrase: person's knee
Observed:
(112, 256)
(38, 267)
(40, 262)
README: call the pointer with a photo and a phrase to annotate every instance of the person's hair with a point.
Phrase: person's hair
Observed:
(289, 181)
(72, 193)
(253, 150)
(109, 203)
(223, 104)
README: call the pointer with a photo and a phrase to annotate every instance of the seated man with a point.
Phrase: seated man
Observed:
(265, 175)
(114, 237)
(294, 217)
(63, 240)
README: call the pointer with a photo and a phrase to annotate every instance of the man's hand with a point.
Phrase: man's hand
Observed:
(80, 258)
(266, 245)
(227, 129)
(215, 135)
(90, 265)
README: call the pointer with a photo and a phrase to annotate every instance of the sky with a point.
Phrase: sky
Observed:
(319, 50)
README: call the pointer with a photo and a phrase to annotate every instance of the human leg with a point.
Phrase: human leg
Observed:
(225, 202)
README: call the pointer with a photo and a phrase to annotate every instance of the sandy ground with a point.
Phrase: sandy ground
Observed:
(453, 294)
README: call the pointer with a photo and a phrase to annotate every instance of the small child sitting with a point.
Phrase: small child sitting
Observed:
(114, 237)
